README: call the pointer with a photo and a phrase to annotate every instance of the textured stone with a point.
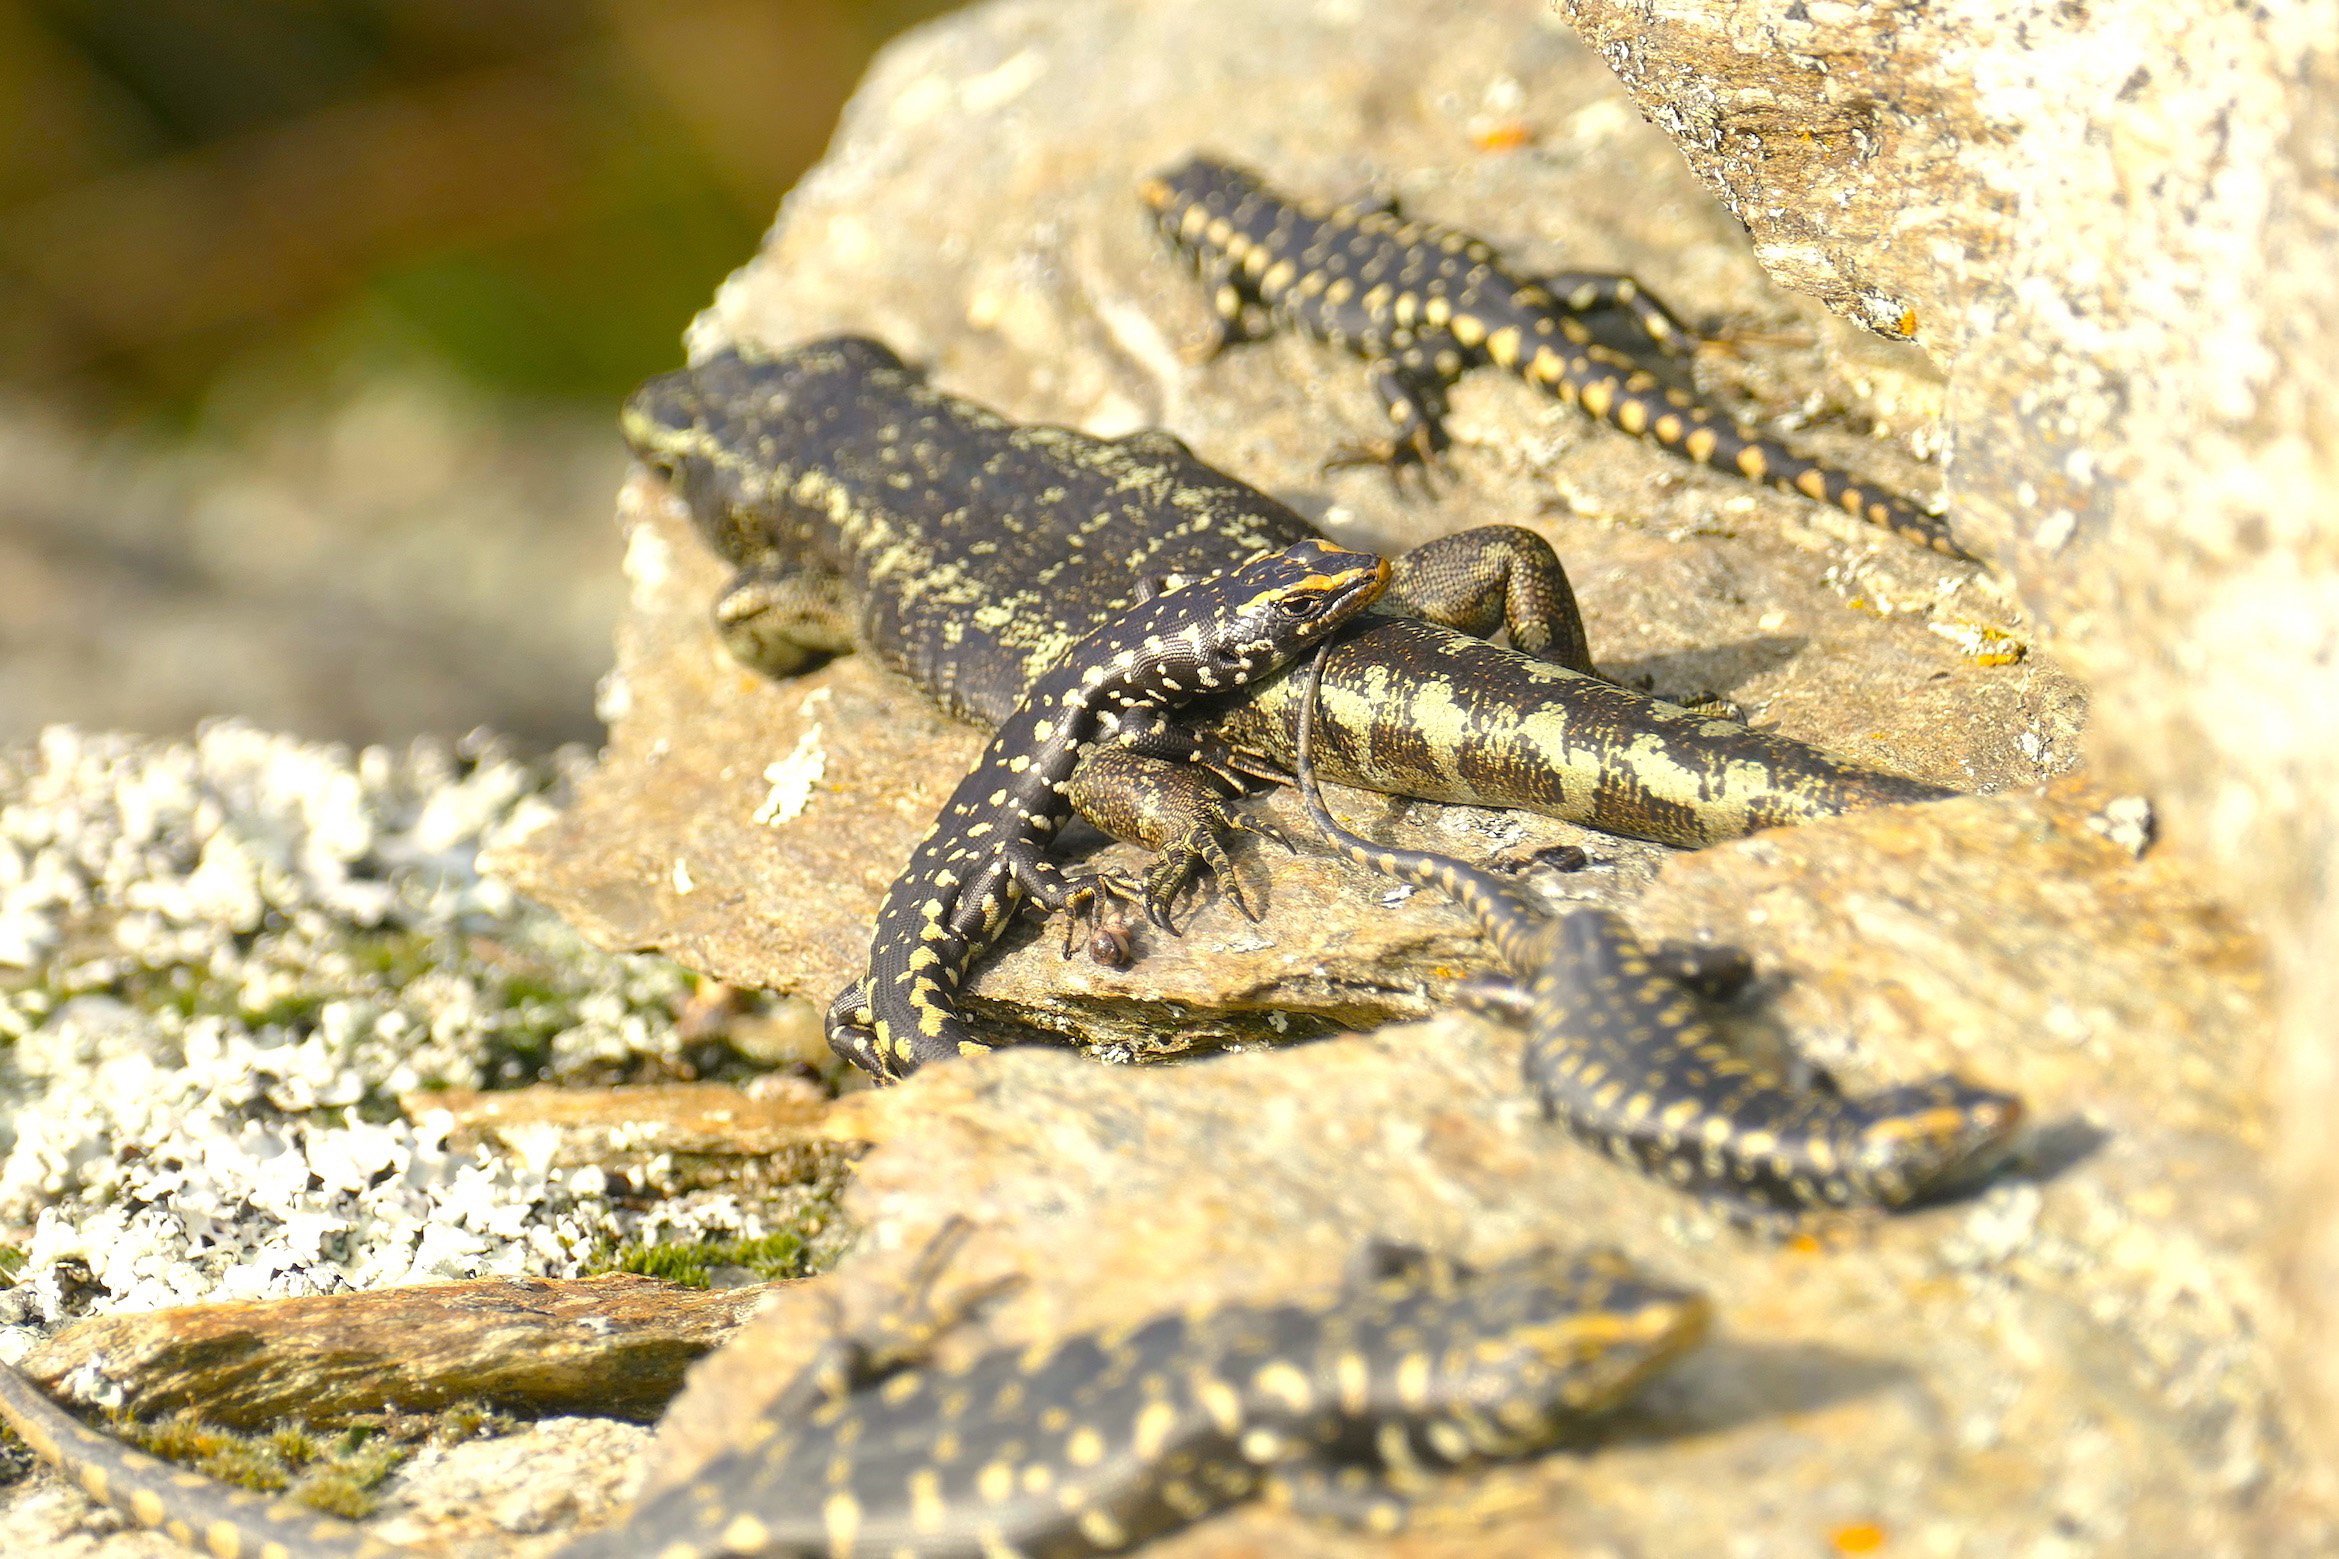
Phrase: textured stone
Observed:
(2075, 1358)
(1017, 263)
(2111, 226)
(2080, 1343)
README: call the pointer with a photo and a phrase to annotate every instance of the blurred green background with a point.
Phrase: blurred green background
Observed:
(314, 318)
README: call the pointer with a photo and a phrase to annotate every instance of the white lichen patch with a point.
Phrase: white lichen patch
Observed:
(792, 779)
(223, 961)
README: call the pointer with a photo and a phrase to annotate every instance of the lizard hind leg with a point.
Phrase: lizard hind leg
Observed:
(1411, 384)
(1589, 292)
(851, 1027)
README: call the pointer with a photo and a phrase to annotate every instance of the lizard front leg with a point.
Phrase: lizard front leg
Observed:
(1175, 809)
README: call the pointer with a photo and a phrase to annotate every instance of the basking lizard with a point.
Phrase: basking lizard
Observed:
(985, 852)
(1618, 1051)
(1090, 1446)
(1425, 304)
(865, 508)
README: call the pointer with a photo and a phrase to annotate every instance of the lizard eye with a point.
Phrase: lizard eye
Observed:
(1298, 607)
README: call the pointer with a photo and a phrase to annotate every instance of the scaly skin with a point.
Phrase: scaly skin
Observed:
(1424, 304)
(864, 507)
(1618, 1050)
(1089, 1446)
(967, 878)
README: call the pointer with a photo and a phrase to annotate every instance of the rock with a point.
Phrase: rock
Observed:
(672, 1136)
(2078, 1343)
(612, 1345)
(2111, 229)
(2081, 1349)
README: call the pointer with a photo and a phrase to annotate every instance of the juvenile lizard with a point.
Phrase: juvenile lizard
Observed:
(1425, 304)
(1618, 1051)
(985, 853)
(1339, 1407)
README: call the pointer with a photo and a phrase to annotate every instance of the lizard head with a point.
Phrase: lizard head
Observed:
(1921, 1137)
(1187, 199)
(1224, 632)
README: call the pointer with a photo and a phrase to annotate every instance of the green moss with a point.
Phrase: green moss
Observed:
(12, 1260)
(812, 1234)
(336, 1471)
(772, 1257)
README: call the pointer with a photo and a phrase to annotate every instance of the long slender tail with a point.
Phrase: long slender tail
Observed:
(1610, 386)
(1511, 926)
(197, 1511)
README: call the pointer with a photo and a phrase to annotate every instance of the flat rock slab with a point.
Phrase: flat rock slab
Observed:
(613, 1345)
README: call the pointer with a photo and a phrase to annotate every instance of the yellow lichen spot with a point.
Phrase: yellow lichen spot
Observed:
(1502, 138)
(1100, 1527)
(1154, 1427)
(743, 1534)
(1286, 1384)
(840, 1516)
(1857, 1537)
(1906, 325)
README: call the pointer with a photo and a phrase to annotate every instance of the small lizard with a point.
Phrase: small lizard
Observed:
(1426, 303)
(1341, 1408)
(984, 855)
(1618, 1051)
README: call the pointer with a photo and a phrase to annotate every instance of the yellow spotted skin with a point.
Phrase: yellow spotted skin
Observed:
(218, 1519)
(1618, 1050)
(1425, 304)
(985, 852)
(864, 508)
(1092, 1445)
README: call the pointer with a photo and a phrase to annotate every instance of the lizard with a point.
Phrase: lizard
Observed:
(984, 854)
(1618, 1052)
(864, 508)
(1425, 304)
(1342, 1407)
